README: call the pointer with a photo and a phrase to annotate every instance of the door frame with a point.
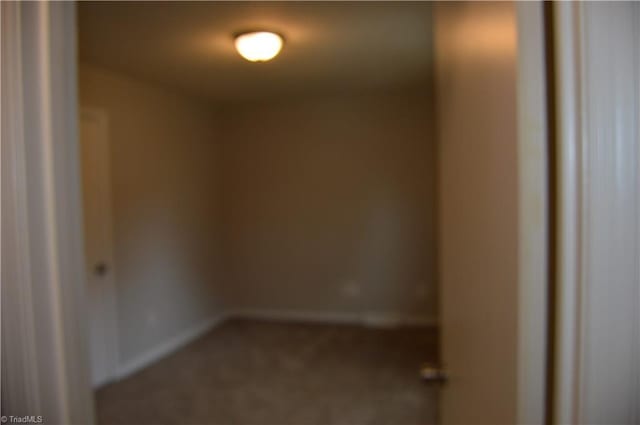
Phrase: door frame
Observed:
(584, 157)
(44, 346)
(111, 329)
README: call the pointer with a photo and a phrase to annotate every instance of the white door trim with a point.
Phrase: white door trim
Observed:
(598, 153)
(568, 210)
(18, 342)
(45, 363)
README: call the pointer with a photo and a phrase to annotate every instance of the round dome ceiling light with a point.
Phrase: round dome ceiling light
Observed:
(259, 46)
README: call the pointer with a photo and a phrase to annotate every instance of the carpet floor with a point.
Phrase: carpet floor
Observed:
(280, 373)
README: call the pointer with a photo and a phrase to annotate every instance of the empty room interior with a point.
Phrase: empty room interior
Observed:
(261, 237)
(320, 212)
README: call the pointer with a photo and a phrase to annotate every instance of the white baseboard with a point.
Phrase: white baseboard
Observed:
(376, 320)
(167, 347)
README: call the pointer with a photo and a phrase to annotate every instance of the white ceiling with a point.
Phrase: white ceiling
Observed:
(329, 46)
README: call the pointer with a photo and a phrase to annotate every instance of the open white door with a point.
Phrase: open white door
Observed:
(101, 293)
(492, 219)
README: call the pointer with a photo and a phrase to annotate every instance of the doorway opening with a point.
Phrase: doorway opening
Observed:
(269, 254)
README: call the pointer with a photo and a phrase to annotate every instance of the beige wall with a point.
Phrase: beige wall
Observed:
(329, 204)
(164, 157)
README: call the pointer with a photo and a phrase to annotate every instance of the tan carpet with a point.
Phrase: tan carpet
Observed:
(277, 373)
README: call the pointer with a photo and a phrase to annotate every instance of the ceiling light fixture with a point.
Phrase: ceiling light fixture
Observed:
(259, 46)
